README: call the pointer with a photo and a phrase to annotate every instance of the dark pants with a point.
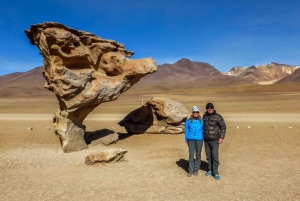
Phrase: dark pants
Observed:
(212, 155)
(194, 145)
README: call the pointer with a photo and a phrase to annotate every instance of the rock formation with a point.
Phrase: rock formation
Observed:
(106, 156)
(158, 115)
(83, 71)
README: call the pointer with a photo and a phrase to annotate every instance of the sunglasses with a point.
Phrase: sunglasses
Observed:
(209, 108)
(195, 112)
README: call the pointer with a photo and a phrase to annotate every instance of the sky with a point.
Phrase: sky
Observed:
(223, 33)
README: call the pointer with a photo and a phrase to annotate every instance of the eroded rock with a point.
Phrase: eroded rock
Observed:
(106, 156)
(83, 71)
(158, 115)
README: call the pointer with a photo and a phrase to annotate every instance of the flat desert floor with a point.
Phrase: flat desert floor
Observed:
(257, 163)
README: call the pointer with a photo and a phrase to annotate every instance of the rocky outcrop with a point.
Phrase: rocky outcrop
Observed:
(158, 115)
(106, 156)
(83, 71)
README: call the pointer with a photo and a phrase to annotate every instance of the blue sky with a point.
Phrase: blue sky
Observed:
(224, 33)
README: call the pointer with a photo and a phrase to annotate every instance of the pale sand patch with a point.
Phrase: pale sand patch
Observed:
(268, 82)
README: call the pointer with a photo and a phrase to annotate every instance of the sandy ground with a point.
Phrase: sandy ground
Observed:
(257, 163)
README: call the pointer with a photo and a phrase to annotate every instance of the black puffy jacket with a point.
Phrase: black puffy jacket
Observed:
(214, 126)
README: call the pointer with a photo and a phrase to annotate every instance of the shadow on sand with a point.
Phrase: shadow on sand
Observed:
(184, 164)
(91, 136)
(95, 135)
(123, 136)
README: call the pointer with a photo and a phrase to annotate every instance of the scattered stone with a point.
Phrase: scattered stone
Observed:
(106, 156)
(290, 127)
(83, 71)
(249, 126)
(274, 126)
(237, 127)
(48, 128)
(30, 128)
(156, 116)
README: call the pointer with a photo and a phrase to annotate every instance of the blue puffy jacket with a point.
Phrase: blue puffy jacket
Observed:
(193, 130)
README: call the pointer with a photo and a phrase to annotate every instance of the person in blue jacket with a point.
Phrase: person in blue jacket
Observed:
(194, 138)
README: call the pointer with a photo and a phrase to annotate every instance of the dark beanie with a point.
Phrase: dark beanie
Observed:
(209, 105)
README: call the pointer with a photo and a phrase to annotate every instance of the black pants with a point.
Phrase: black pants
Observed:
(212, 156)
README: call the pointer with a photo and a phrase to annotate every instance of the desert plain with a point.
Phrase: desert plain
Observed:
(259, 158)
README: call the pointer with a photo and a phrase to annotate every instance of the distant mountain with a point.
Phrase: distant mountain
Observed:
(183, 69)
(186, 73)
(264, 73)
(294, 77)
(183, 74)
(30, 83)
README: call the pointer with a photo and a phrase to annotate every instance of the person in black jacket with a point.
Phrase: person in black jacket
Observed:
(214, 130)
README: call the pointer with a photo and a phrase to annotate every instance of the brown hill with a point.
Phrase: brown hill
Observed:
(189, 74)
(183, 69)
(294, 77)
(30, 83)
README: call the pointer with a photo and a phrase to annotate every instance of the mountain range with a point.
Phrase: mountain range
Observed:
(180, 75)
(263, 74)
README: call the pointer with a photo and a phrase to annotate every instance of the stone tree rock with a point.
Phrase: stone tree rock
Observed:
(158, 115)
(83, 71)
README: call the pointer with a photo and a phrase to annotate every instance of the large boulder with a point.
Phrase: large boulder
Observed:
(156, 116)
(83, 71)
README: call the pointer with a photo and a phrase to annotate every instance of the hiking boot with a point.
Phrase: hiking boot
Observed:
(217, 177)
(195, 173)
(208, 173)
(189, 174)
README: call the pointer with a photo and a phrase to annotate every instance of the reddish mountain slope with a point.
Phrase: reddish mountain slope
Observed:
(183, 69)
(294, 77)
(29, 83)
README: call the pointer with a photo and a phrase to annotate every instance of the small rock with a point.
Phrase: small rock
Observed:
(48, 128)
(237, 127)
(249, 126)
(106, 156)
(274, 126)
(290, 127)
(30, 128)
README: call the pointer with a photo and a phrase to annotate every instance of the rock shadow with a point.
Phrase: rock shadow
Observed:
(89, 137)
(139, 120)
(184, 164)
(123, 136)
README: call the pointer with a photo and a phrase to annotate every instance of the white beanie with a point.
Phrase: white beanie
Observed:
(195, 109)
